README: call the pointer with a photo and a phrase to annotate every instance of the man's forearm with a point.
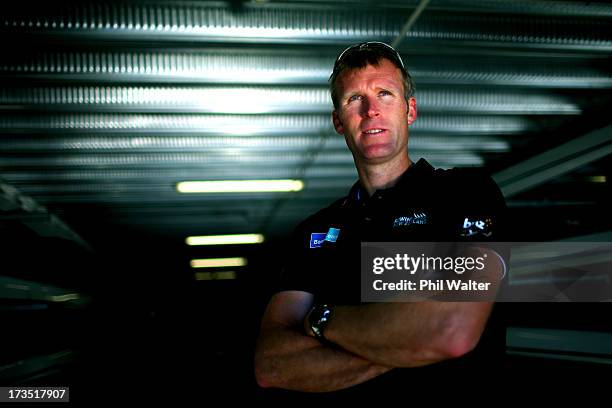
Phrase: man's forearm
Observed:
(286, 358)
(408, 334)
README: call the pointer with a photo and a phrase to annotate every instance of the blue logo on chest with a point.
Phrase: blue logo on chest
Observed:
(332, 235)
(317, 238)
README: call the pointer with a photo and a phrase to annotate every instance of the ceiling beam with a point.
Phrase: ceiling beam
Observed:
(555, 162)
(26, 210)
(411, 20)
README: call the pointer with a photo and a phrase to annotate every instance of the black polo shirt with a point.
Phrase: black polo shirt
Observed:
(425, 205)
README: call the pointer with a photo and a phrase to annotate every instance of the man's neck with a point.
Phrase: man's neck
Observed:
(380, 176)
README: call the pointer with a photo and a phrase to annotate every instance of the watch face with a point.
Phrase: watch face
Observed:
(325, 315)
(319, 318)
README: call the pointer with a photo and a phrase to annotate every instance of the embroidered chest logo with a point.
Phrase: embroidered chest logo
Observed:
(416, 218)
(477, 226)
(317, 238)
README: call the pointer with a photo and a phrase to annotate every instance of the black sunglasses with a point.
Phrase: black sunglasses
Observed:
(370, 45)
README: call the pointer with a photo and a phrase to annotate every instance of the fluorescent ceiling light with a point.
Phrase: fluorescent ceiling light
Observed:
(597, 179)
(240, 186)
(218, 262)
(65, 298)
(225, 239)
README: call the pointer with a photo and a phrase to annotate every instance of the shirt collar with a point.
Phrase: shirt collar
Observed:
(358, 194)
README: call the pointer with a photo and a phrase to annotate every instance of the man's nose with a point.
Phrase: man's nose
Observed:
(371, 107)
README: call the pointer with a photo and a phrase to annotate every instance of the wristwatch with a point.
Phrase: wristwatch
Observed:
(319, 319)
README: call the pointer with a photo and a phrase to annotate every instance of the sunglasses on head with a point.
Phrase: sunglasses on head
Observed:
(370, 45)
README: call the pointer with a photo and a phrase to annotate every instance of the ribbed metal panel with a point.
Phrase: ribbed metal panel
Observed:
(172, 175)
(176, 123)
(247, 124)
(267, 99)
(546, 8)
(213, 99)
(167, 160)
(233, 66)
(200, 164)
(269, 67)
(170, 160)
(538, 7)
(290, 23)
(271, 144)
(161, 143)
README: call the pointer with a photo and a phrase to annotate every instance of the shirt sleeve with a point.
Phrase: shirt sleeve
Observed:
(481, 212)
(480, 207)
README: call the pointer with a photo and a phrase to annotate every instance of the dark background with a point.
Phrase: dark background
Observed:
(88, 170)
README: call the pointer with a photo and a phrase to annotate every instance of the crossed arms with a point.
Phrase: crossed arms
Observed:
(371, 339)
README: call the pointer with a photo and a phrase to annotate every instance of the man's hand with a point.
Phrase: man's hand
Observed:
(287, 358)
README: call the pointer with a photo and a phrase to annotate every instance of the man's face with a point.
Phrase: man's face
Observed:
(373, 114)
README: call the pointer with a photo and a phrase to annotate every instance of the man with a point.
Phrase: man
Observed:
(316, 335)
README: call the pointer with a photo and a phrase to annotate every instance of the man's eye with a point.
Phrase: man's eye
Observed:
(354, 98)
(385, 92)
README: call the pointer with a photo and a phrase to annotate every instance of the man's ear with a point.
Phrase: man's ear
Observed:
(412, 110)
(337, 123)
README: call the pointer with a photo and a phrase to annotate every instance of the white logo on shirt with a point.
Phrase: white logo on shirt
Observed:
(416, 218)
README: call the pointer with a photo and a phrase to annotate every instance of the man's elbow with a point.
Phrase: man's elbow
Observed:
(460, 340)
(463, 328)
(262, 380)
(262, 374)
(460, 345)
(445, 349)
(454, 342)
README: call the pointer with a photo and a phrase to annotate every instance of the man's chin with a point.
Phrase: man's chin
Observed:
(371, 160)
(377, 155)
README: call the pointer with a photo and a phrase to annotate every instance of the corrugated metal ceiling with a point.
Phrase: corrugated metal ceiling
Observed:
(106, 106)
